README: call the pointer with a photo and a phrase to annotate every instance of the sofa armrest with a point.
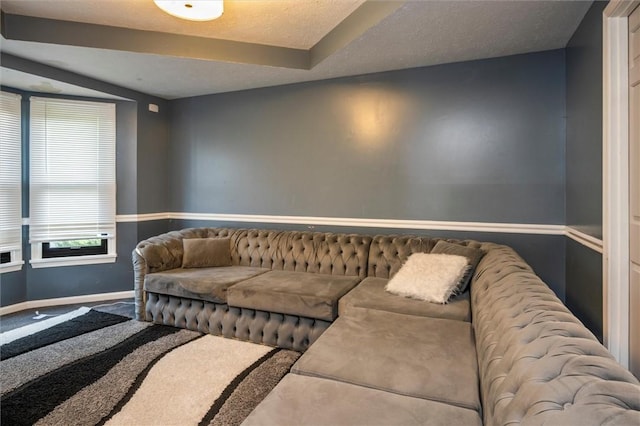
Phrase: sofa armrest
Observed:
(165, 251)
(155, 254)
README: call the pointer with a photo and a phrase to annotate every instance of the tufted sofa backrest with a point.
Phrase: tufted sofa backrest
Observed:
(256, 247)
(538, 364)
(300, 251)
(323, 253)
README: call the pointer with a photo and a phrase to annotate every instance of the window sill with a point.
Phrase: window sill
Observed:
(11, 267)
(72, 261)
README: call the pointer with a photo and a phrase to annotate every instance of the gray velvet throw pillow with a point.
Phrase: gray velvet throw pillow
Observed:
(472, 254)
(206, 252)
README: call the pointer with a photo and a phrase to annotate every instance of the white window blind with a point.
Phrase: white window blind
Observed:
(72, 170)
(10, 174)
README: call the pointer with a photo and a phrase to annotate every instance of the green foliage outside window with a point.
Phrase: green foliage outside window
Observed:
(93, 242)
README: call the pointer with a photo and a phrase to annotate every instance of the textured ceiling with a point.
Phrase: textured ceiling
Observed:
(290, 23)
(416, 33)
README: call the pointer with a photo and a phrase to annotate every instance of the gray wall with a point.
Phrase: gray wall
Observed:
(584, 124)
(152, 159)
(140, 189)
(12, 284)
(473, 141)
(126, 158)
(584, 285)
(584, 167)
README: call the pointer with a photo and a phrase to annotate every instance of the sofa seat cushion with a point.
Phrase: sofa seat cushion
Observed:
(428, 358)
(314, 401)
(295, 293)
(371, 294)
(209, 284)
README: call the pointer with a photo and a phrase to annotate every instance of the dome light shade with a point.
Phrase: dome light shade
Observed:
(193, 10)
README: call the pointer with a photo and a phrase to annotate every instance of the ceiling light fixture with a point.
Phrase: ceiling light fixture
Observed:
(193, 10)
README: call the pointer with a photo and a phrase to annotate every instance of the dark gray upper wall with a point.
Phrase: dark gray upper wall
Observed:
(584, 124)
(474, 141)
(126, 157)
(583, 282)
(152, 160)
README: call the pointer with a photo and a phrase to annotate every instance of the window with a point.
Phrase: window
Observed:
(72, 182)
(74, 248)
(10, 182)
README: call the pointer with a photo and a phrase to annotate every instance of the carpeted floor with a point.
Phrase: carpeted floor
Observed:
(100, 368)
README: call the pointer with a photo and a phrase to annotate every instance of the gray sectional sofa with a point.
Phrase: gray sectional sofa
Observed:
(507, 352)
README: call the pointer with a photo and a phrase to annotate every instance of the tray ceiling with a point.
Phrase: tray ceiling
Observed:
(133, 44)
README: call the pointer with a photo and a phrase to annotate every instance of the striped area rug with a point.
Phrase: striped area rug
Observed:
(97, 368)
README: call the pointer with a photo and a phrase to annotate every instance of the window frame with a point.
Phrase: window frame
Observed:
(38, 261)
(42, 256)
(49, 253)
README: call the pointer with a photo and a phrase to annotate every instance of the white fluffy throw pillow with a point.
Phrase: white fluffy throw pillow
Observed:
(430, 277)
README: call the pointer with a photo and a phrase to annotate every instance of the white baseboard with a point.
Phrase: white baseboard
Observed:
(32, 304)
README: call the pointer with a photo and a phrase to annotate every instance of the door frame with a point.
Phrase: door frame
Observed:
(615, 257)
